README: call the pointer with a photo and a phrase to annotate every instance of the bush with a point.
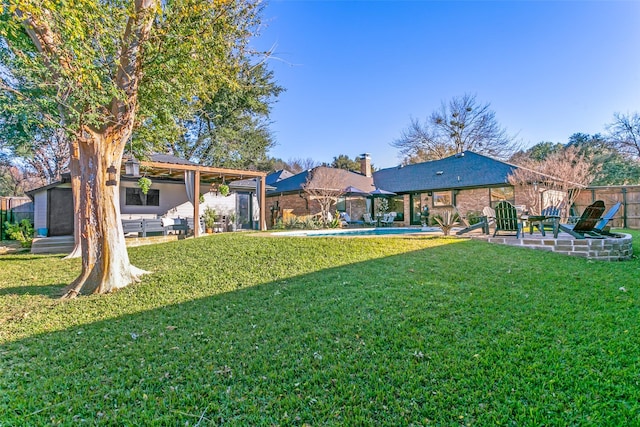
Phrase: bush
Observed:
(474, 217)
(22, 232)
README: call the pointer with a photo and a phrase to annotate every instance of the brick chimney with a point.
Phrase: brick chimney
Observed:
(365, 164)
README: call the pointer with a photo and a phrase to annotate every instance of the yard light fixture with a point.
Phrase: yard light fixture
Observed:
(112, 178)
(132, 167)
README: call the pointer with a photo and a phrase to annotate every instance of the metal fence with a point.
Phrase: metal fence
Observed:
(628, 195)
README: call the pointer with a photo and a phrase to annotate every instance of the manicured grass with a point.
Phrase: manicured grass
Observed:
(244, 330)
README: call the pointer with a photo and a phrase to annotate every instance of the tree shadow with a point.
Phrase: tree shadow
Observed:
(325, 347)
(52, 291)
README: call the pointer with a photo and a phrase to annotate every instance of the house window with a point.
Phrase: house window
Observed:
(135, 197)
(341, 204)
(442, 198)
(500, 194)
(396, 204)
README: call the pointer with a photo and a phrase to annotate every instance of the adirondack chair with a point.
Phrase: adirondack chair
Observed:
(587, 222)
(549, 216)
(507, 219)
(602, 226)
(483, 223)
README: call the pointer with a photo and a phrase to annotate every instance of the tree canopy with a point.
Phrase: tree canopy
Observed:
(608, 165)
(95, 70)
(462, 124)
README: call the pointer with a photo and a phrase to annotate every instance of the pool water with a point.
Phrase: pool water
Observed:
(359, 232)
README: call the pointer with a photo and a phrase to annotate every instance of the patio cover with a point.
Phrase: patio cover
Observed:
(178, 168)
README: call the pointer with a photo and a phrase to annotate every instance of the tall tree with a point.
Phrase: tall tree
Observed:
(624, 133)
(98, 68)
(609, 166)
(297, 164)
(324, 185)
(343, 161)
(566, 171)
(232, 129)
(462, 124)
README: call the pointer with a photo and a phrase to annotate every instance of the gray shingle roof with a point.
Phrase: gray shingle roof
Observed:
(347, 178)
(459, 171)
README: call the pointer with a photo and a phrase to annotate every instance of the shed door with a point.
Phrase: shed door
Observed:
(60, 212)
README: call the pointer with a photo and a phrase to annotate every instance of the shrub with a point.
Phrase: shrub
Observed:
(22, 232)
(474, 217)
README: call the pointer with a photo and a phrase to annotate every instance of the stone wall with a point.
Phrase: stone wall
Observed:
(607, 249)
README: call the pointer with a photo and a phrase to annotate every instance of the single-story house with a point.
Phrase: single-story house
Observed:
(175, 181)
(468, 181)
(288, 198)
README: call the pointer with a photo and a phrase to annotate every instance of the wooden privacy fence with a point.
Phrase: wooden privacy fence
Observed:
(629, 195)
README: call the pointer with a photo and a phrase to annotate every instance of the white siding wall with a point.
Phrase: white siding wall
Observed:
(223, 206)
(40, 210)
(173, 202)
(171, 195)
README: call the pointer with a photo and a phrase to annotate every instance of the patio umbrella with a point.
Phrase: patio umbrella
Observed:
(378, 192)
(353, 191)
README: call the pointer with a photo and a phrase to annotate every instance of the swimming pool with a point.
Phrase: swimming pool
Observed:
(358, 232)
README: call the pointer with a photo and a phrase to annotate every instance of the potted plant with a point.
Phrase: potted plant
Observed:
(232, 221)
(145, 184)
(224, 190)
(209, 217)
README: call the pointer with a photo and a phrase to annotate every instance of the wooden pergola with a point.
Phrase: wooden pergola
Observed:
(167, 170)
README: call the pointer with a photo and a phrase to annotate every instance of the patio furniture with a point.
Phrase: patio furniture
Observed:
(490, 214)
(587, 222)
(132, 226)
(602, 226)
(152, 226)
(482, 223)
(507, 219)
(368, 220)
(387, 219)
(549, 216)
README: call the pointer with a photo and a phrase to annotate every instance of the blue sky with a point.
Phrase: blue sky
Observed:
(355, 72)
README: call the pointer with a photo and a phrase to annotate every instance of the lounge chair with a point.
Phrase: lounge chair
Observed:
(507, 219)
(587, 222)
(368, 220)
(387, 220)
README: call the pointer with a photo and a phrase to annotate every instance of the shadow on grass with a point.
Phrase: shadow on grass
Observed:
(53, 291)
(456, 333)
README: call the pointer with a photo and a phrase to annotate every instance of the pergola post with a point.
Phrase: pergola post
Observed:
(196, 204)
(263, 203)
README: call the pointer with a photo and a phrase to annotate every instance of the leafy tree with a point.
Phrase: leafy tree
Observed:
(538, 152)
(232, 129)
(98, 69)
(460, 125)
(343, 161)
(609, 166)
(624, 133)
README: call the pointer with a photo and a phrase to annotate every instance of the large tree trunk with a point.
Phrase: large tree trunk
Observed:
(74, 167)
(105, 261)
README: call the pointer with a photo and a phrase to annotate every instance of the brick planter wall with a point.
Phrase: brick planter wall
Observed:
(608, 249)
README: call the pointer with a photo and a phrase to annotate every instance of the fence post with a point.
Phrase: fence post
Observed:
(624, 207)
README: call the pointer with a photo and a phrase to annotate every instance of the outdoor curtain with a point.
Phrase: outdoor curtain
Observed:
(190, 185)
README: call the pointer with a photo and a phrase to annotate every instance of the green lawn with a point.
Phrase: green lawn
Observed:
(242, 330)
